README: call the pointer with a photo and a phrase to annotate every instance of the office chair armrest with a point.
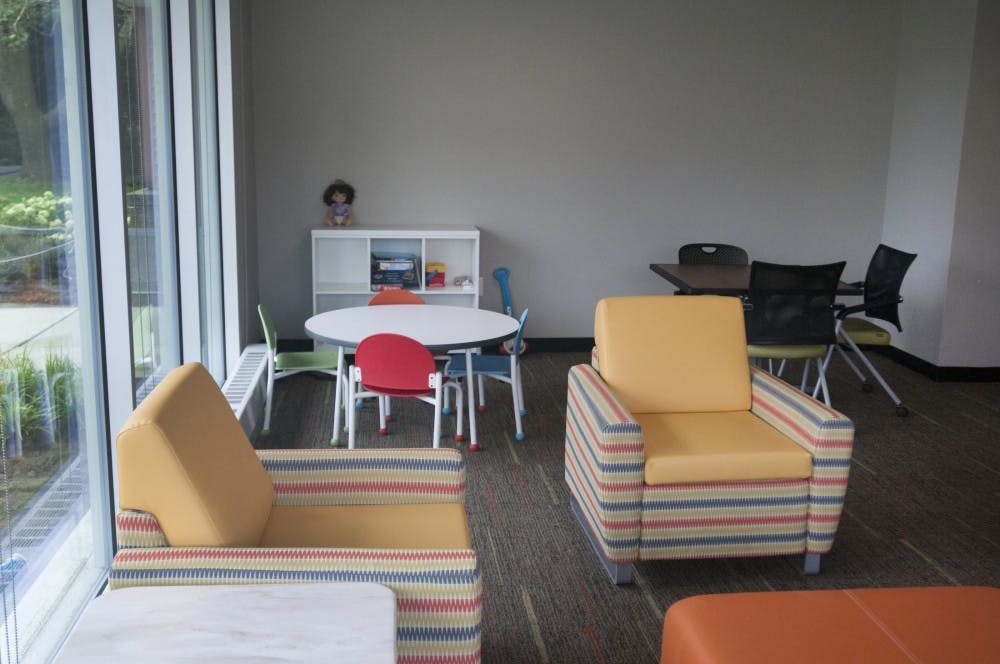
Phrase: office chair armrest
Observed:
(844, 312)
(438, 592)
(365, 477)
(604, 463)
(825, 433)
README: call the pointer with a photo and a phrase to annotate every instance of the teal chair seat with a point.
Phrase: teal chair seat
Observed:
(505, 368)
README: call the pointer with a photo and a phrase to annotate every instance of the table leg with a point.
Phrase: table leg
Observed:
(473, 441)
(338, 395)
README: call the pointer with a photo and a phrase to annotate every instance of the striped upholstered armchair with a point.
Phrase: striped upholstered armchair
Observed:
(200, 506)
(677, 448)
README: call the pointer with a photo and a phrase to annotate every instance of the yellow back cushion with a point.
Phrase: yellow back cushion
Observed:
(674, 354)
(183, 457)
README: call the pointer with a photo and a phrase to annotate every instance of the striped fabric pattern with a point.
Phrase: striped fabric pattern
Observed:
(827, 434)
(365, 477)
(438, 593)
(724, 519)
(604, 462)
(138, 530)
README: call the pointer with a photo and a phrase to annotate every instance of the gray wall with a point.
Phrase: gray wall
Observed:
(971, 320)
(586, 140)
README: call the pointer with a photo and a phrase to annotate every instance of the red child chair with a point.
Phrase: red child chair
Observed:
(393, 365)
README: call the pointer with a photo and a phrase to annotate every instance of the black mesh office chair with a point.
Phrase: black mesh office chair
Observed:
(881, 286)
(790, 315)
(712, 254)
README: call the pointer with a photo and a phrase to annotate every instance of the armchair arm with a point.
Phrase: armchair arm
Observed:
(365, 477)
(825, 433)
(844, 312)
(438, 592)
(604, 464)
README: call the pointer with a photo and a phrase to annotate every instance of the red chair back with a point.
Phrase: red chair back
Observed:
(394, 364)
(396, 296)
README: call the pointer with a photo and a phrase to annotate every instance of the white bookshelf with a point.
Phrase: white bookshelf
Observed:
(341, 263)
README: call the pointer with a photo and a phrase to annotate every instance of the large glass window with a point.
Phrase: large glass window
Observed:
(141, 34)
(207, 186)
(54, 522)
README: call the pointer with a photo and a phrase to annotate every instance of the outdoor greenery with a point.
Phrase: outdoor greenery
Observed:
(38, 420)
(38, 401)
(35, 235)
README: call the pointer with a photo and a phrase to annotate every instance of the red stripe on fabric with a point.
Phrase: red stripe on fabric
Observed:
(829, 481)
(591, 377)
(463, 658)
(792, 393)
(724, 521)
(812, 440)
(635, 523)
(609, 487)
(597, 436)
(145, 525)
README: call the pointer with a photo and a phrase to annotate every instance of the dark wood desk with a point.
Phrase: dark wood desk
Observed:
(718, 279)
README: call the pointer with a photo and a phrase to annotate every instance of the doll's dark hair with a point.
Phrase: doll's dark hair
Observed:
(338, 187)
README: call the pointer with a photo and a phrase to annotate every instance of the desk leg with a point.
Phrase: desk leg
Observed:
(338, 395)
(473, 441)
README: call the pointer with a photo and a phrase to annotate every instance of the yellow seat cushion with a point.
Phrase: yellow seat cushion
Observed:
(667, 354)
(413, 526)
(864, 332)
(714, 447)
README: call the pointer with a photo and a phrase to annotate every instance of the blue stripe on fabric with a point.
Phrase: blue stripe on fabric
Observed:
(362, 463)
(447, 577)
(827, 462)
(813, 417)
(827, 500)
(618, 506)
(592, 522)
(456, 634)
(604, 425)
(821, 536)
(770, 501)
(612, 468)
(723, 540)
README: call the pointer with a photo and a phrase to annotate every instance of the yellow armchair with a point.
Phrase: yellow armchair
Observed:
(677, 448)
(200, 506)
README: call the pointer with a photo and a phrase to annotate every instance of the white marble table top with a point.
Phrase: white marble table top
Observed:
(318, 622)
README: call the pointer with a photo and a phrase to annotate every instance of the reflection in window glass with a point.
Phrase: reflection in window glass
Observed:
(147, 175)
(54, 530)
(207, 173)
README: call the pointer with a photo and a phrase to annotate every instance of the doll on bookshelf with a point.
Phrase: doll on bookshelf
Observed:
(339, 197)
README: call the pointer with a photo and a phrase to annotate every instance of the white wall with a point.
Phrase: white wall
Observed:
(932, 80)
(971, 321)
(585, 139)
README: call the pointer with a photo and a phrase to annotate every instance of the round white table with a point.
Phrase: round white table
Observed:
(439, 328)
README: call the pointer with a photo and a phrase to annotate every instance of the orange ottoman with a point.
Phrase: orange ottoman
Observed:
(869, 625)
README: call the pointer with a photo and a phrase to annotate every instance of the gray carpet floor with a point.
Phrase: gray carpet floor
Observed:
(922, 508)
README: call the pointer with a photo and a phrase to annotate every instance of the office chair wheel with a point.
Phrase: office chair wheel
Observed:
(902, 411)
(867, 387)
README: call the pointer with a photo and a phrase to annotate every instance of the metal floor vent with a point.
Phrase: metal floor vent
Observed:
(240, 386)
